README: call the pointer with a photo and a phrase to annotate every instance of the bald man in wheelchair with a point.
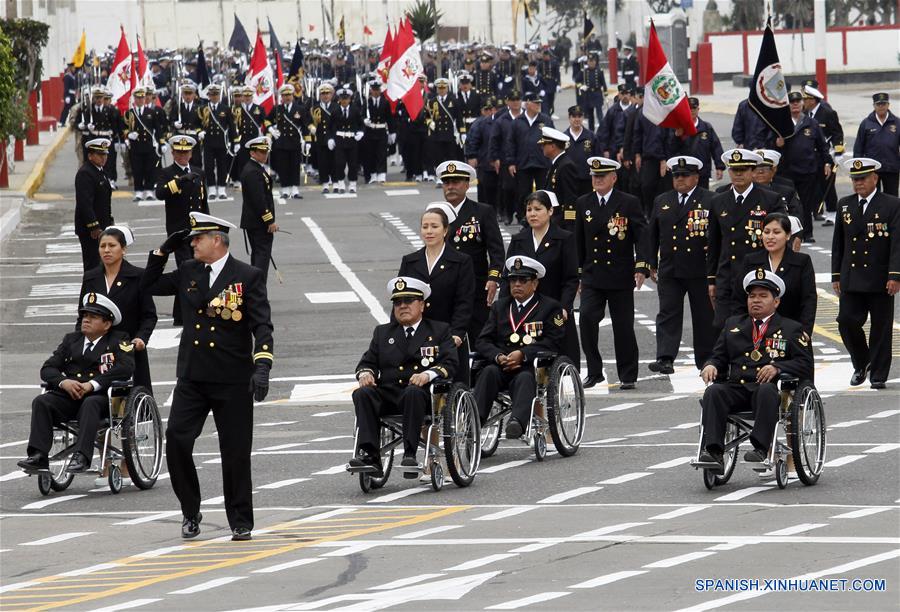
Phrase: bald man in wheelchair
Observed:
(756, 349)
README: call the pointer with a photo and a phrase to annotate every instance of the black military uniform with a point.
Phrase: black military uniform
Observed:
(217, 120)
(143, 134)
(443, 128)
(677, 245)
(548, 68)
(748, 131)
(224, 358)
(651, 142)
(70, 94)
(322, 123)
(258, 209)
(469, 103)
(592, 88)
(506, 195)
(347, 131)
(478, 147)
(562, 179)
(184, 120)
(184, 191)
(488, 82)
(290, 122)
(865, 255)
(93, 209)
(380, 132)
(735, 229)
(704, 145)
(393, 356)
(609, 233)
(522, 151)
(98, 120)
(581, 147)
(880, 140)
(107, 359)
(830, 126)
(249, 123)
(411, 135)
(631, 70)
(537, 326)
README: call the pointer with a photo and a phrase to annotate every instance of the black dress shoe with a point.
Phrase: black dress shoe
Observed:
(368, 461)
(859, 376)
(35, 463)
(878, 385)
(754, 456)
(240, 534)
(662, 366)
(809, 240)
(819, 217)
(78, 463)
(410, 467)
(190, 526)
(626, 386)
(592, 379)
(828, 223)
(711, 457)
(514, 429)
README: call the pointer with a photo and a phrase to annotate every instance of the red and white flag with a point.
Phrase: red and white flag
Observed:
(405, 69)
(665, 101)
(142, 75)
(119, 82)
(260, 76)
(384, 62)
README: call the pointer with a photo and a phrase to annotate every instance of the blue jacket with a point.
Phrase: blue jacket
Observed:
(521, 148)
(806, 152)
(748, 130)
(649, 140)
(880, 142)
(478, 142)
(579, 150)
(704, 145)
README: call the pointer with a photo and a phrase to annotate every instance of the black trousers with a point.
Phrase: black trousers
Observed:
(808, 190)
(506, 195)
(888, 182)
(704, 182)
(216, 162)
(232, 409)
(652, 184)
(488, 184)
(240, 160)
(325, 163)
(413, 154)
(671, 313)
(90, 251)
(260, 249)
(374, 157)
(143, 168)
(480, 309)
(346, 154)
(621, 309)
(522, 390)
(721, 399)
(830, 198)
(109, 168)
(286, 163)
(724, 286)
(571, 348)
(592, 102)
(183, 253)
(57, 407)
(528, 180)
(370, 403)
(853, 310)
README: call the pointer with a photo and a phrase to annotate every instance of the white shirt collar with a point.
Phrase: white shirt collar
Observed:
(415, 326)
(814, 110)
(432, 264)
(530, 120)
(553, 161)
(456, 208)
(606, 197)
(185, 168)
(688, 194)
(574, 135)
(86, 341)
(764, 319)
(217, 268)
(525, 303)
(745, 194)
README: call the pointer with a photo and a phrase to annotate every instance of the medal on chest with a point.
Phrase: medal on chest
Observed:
(514, 337)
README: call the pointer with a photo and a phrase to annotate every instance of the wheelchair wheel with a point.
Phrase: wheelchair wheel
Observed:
(781, 476)
(806, 435)
(540, 447)
(437, 476)
(490, 434)
(115, 479)
(565, 406)
(142, 439)
(462, 436)
(710, 478)
(59, 479)
(44, 481)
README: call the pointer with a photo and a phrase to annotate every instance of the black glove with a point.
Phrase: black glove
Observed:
(259, 382)
(174, 241)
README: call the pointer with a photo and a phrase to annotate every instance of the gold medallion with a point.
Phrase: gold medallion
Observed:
(216, 302)
(226, 314)
(613, 231)
(527, 340)
(755, 355)
(514, 337)
(237, 315)
(622, 236)
(233, 305)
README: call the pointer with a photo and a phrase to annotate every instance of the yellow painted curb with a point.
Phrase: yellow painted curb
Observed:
(36, 178)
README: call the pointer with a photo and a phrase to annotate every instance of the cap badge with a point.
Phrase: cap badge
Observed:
(92, 298)
(400, 285)
(857, 164)
(760, 274)
(451, 168)
(517, 264)
(595, 164)
(193, 221)
(736, 156)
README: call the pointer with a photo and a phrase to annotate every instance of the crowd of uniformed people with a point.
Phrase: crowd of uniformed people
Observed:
(603, 208)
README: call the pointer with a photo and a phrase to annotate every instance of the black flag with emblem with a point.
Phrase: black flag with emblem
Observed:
(239, 40)
(768, 90)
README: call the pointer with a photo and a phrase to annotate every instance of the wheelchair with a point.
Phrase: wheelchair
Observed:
(451, 438)
(799, 442)
(132, 431)
(558, 407)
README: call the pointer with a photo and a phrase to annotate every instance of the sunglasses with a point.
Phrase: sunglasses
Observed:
(520, 280)
(404, 300)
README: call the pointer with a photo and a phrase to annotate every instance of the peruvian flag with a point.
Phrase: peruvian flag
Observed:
(665, 102)
(141, 73)
(260, 76)
(384, 62)
(120, 80)
(405, 68)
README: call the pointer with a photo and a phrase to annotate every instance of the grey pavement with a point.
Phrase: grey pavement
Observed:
(625, 523)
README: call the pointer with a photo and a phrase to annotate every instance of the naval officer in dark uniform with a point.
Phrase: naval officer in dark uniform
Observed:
(224, 359)
(677, 259)
(878, 138)
(404, 356)
(93, 196)
(865, 271)
(562, 176)
(258, 210)
(183, 189)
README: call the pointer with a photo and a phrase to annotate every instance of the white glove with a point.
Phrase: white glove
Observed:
(237, 147)
(120, 147)
(542, 93)
(68, 99)
(367, 122)
(431, 125)
(275, 133)
(463, 137)
(132, 135)
(358, 136)
(177, 125)
(558, 89)
(331, 144)
(164, 148)
(90, 127)
(312, 130)
(508, 79)
(392, 138)
(307, 147)
(201, 135)
(582, 88)
(81, 126)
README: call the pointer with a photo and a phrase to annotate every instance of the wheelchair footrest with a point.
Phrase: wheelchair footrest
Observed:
(410, 469)
(365, 469)
(706, 464)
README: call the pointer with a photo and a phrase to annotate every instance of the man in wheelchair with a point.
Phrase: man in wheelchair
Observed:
(404, 356)
(756, 348)
(519, 327)
(78, 375)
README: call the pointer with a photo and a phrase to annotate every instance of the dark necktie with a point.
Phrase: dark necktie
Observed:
(521, 309)
(208, 275)
(602, 201)
(739, 200)
(862, 205)
(346, 113)
(758, 323)
(409, 332)
(683, 199)
(88, 348)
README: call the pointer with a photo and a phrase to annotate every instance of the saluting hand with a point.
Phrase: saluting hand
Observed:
(173, 241)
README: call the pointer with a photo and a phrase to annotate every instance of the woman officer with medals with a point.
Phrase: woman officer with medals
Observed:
(450, 275)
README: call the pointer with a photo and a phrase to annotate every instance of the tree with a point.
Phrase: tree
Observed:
(14, 114)
(27, 37)
(424, 18)
(569, 15)
(747, 16)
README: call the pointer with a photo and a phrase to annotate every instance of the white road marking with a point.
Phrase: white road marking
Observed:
(727, 546)
(673, 561)
(479, 562)
(159, 516)
(55, 290)
(51, 501)
(325, 515)
(402, 582)
(374, 305)
(398, 495)
(686, 381)
(340, 196)
(329, 413)
(624, 478)
(209, 584)
(284, 446)
(602, 531)
(324, 393)
(533, 547)
(62, 537)
(213, 501)
(843, 460)
(882, 448)
(128, 605)
(604, 440)
(503, 466)
(275, 423)
(165, 338)
(860, 513)
(669, 398)
(60, 268)
(337, 469)
(843, 424)
(607, 579)
(654, 432)
(619, 407)
(502, 514)
(685, 425)
(158, 552)
(679, 512)
(18, 442)
(742, 493)
(827, 350)
(839, 570)
(330, 438)
(16, 586)
(795, 529)
(332, 297)
(883, 414)
(527, 601)
(287, 565)
(13, 476)
(282, 483)
(352, 549)
(51, 310)
(426, 532)
(90, 569)
(561, 497)
(670, 463)
(401, 192)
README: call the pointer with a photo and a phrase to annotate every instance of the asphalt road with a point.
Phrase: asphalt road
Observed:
(626, 522)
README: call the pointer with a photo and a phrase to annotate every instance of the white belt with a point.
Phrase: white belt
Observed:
(468, 120)
(345, 134)
(381, 126)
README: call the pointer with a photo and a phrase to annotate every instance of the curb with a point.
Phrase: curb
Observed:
(32, 183)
